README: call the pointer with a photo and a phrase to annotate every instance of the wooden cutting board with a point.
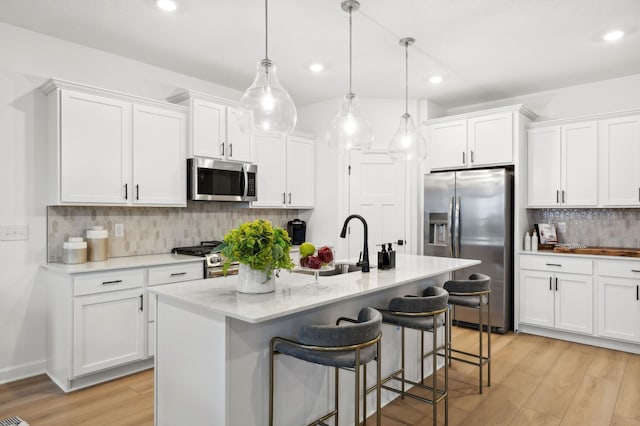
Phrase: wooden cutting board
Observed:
(601, 251)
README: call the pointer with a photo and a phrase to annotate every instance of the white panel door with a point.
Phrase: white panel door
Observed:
(108, 330)
(544, 162)
(377, 193)
(159, 160)
(95, 135)
(300, 172)
(490, 139)
(209, 129)
(536, 298)
(448, 145)
(619, 162)
(238, 146)
(574, 302)
(270, 157)
(618, 308)
(580, 164)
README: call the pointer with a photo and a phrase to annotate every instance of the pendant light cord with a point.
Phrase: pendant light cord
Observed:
(406, 78)
(266, 30)
(350, 51)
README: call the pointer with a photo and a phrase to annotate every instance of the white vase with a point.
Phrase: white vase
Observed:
(254, 281)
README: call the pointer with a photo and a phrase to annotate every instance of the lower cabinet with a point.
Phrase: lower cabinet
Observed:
(107, 330)
(618, 295)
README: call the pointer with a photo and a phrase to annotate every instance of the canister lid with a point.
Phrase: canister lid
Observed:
(97, 232)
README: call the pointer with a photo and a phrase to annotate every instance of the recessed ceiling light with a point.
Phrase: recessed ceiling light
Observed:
(613, 35)
(436, 79)
(316, 67)
(167, 5)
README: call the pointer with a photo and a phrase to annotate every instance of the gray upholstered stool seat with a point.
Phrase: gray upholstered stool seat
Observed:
(421, 313)
(347, 346)
(473, 292)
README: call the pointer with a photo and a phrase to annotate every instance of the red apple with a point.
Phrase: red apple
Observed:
(325, 254)
(314, 262)
(304, 261)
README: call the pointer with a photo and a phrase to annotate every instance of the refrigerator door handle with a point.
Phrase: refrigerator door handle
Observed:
(450, 227)
(456, 228)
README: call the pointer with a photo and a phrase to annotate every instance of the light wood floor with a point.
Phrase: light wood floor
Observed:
(535, 381)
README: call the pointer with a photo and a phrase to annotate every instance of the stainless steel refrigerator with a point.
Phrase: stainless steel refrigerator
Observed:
(469, 214)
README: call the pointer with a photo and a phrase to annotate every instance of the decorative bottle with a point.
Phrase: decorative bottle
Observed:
(534, 242)
(527, 242)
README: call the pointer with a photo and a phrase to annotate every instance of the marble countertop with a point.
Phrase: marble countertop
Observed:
(122, 263)
(296, 292)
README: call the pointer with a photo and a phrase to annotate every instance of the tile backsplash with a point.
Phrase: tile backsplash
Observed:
(593, 227)
(152, 230)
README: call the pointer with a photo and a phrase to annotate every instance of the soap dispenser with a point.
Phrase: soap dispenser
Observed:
(527, 242)
(383, 258)
(392, 256)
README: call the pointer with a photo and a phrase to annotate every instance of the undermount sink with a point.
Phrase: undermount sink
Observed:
(340, 268)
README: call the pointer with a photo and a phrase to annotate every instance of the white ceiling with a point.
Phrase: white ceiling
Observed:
(485, 49)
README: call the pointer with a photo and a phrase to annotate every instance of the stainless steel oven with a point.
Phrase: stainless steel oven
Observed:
(219, 180)
(214, 259)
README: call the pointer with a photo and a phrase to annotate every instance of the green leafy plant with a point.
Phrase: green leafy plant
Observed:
(259, 245)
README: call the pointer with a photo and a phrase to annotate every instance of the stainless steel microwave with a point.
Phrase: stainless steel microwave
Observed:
(219, 180)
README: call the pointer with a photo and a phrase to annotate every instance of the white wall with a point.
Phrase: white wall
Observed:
(28, 60)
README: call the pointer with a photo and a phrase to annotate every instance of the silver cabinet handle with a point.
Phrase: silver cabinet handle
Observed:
(177, 274)
(553, 264)
(111, 282)
(472, 156)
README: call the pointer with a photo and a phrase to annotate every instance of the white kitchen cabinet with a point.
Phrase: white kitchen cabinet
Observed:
(107, 330)
(286, 171)
(562, 164)
(619, 161)
(556, 293)
(107, 148)
(618, 300)
(214, 128)
(483, 138)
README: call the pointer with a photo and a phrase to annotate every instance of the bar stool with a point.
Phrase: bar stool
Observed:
(473, 293)
(425, 313)
(342, 347)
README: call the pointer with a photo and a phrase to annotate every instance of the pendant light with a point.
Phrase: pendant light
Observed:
(349, 130)
(407, 143)
(266, 106)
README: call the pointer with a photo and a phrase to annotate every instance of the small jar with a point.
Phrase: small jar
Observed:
(97, 244)
(74, 251)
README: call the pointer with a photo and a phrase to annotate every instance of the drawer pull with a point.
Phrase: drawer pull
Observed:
(177, 274)
(550, 288)
(635, 270)
(111, 282)
(637, 292)
(556, 283)
(141, 303)
(553, 264)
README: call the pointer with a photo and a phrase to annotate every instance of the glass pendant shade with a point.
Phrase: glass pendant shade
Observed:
(407, 143)
(266, 106)
(349, 130)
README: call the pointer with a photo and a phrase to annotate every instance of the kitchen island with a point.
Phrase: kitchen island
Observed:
(212, 359)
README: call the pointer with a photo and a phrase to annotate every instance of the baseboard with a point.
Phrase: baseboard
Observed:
(11, 374)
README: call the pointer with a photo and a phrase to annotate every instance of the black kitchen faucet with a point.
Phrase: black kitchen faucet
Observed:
(364, 263)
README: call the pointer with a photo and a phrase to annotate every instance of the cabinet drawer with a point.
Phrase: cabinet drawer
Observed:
(102, 282)
(556, 264)
(620, 269)
(176, 273)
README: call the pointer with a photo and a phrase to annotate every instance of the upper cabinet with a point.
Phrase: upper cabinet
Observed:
(478, 139)
(562, 164)
(286, 171)
(107, 148)
(619, 161)
(214, 129)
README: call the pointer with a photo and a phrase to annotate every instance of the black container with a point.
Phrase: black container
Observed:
(297, 230)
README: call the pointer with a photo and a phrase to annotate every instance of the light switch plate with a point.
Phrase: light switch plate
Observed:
(14, 232)
(119, 229)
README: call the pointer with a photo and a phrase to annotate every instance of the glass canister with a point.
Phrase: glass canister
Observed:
(74, 251)
(97, 244)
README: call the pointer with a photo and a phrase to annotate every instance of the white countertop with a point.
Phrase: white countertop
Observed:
(296, 293)
(122, 263)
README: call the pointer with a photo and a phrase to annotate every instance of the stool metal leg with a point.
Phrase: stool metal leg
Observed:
(446, 367)
(403, 365)
(364, 393)
(271, 386)
(378, 376)
(434, 376)
(336, 395)
(357, 396)
(489, 340)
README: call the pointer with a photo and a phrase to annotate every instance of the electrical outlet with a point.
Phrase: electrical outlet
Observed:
(14, 232)
(562, 227)
(119, 228)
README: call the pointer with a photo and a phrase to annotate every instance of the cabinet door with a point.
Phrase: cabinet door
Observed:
(574, 302)
(536, 298)
(159, 160)
(619, 308)
(238, 144)
(544, 177)
(448, 145)
(209, 129)
(95, 138)
(300, 172)
(270, 158)
(619, 161)
(580, 164)
(490, 139)
(108, 330)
